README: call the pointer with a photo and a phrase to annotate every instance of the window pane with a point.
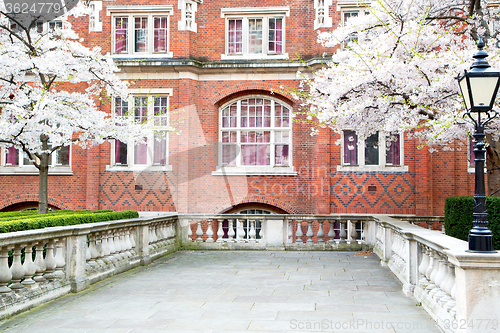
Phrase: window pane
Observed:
(235, 37)
(281, 155)
(62, 157)
(371, 150)
(161, 111)
(229, 153)
(160, 34)
(121, 29)
(393, 148)
(275, 35)
(120, 152)
(141, 109)
(12, 156)
(255, 36)
(140, 34)
(121, 107)
(282, 116)
(160, 148)
(141, 153)
(350, 148)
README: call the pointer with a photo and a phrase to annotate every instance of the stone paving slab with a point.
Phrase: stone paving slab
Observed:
(237, 291)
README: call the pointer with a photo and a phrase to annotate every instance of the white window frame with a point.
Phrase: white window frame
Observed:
(21, 168)
(131, 12)
(323, 18)
(239, 169)
(150, 166)
(382, 166)
(245, 14)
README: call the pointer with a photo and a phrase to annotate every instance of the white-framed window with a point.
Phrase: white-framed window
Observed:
(255, 137)
(378, 152)
(349, 9)
(15, 161)
(255, 33)
(140, 30)
(152, 153)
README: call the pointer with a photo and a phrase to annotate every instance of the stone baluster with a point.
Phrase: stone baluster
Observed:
(433, 273)
(240, 236)
(16, 269)
(171, 233)
(118, 245)
(152, 235)
(133, 244)
(50, 261)
(190, 233)
(430, 268)
(261, 231)
(437, 293)
(343, 232)
(29, 267)
(39, 263)
(290, 231)
(98, 245)
(230, 231)
(331, 232)
(310, 232)
(92, 246)
(321, 232)
(128, 243)
(210, 232)
(354, 233)
(199, 233)
(450, 289)
(252, 233)
(111, 245)
(444, 284)
(5, 274)
(60, 260)
(299, 233)
(220, 232)
(123, 246)
(422, 268)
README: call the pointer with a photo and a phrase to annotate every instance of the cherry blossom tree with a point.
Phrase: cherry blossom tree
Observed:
(395, 71)
(49, 83)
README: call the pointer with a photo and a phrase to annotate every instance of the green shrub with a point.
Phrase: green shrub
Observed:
(64, 219)
(458, 217)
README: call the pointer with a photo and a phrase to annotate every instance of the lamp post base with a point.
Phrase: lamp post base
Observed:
(480, 241)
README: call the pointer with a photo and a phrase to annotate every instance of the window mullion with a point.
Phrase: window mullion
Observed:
(382, 151)
(361, 152)
(245, 37)
(238, 132)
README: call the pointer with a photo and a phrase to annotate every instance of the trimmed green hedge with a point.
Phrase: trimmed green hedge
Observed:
(64, 219)
(28, 214)
(458, 217)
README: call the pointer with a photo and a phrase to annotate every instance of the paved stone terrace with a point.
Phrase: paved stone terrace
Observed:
(241, 291)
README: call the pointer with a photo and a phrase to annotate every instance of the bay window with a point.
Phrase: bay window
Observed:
(255, 136)
(255, 33)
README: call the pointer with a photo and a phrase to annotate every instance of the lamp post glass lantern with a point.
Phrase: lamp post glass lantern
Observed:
(479, 88)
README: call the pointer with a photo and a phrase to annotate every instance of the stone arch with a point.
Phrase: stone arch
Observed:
(248, 88)
(263, 203)
(27, 199)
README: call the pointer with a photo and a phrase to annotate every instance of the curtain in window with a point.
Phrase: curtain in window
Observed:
(120, 152)
(12, 156)
(281, 155)
(121, 28)
(255, 154)
(235, 36)
(160, 34)
(276, 35)
(141, 153)
(160, 148)
(392, 154)
(350, 148)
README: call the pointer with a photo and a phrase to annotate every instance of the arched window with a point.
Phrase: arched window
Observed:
(255, 136)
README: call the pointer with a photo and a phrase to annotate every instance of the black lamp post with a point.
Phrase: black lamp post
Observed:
(479, 88)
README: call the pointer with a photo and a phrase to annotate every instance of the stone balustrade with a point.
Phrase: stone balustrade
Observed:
(275, 231)
(458, 289)
(39, 265)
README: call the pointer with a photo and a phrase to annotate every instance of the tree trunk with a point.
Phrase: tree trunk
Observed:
(43, 175)
(493, 167)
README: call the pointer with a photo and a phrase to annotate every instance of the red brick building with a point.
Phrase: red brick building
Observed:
(219, 72)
